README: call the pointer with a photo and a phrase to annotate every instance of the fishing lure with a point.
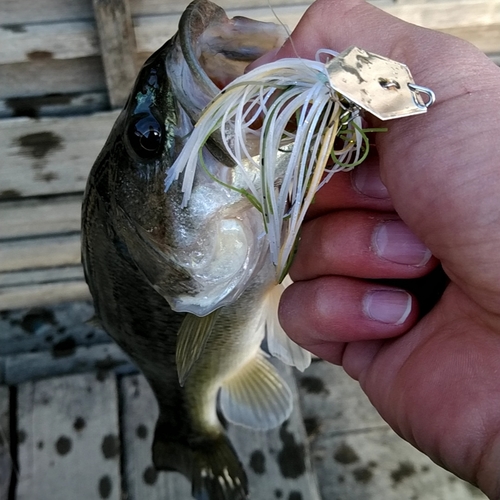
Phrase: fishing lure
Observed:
(299, 122)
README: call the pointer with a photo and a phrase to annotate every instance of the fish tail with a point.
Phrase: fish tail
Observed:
(210, 463)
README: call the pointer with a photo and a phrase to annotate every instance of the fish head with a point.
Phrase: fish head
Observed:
(201, 256)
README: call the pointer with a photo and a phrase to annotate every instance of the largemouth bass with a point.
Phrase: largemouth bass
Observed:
(188, 292)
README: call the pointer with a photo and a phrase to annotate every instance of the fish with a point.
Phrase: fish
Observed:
(189, 292)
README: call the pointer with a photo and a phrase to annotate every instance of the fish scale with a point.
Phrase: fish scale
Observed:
(151, 264)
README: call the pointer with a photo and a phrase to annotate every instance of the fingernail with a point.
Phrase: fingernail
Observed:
(366, 179)
(393, 241)
(387, 306)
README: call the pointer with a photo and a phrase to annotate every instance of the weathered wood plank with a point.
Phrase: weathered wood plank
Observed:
(69, 444)
(485, 38)
(42, 294)
(20, 368)
(40, 217)
(52, 76)
(49, 41)
(41, 271)
(54, 251)
(20, 12)
(380, 465)
(16, 13)
(473, 15)
(50, 155)
(39, 77)
(141, 478)
(117, 41)
(356, 455)
(54, 105)
(5, 458)
(442, 15)
(59, 329)
(277, 462)
(68, 40)
(41, 276)
(333, 400)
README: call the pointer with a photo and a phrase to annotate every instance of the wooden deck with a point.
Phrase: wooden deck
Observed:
(76, 422)
(76, 418)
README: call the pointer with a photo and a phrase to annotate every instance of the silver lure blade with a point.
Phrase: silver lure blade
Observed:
(377, 84)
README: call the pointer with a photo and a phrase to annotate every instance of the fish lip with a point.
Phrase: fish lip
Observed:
(201, 23)
(197, 17)
(237, 39)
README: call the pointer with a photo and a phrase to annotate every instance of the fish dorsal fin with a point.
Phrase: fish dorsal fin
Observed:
(279, 344)
(256, 396)
(191, 340)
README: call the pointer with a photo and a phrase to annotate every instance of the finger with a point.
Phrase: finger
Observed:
(361, 244)
(359, 188)
(356, 22)
(335, 309)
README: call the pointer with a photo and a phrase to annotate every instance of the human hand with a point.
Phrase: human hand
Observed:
(433, 378)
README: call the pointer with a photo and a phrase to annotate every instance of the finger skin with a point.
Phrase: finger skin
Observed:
(344, 191)
(345, 243)
(334, 309)
(426, 158)
(435, 382)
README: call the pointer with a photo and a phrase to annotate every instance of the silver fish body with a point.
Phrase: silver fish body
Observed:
(162, 275)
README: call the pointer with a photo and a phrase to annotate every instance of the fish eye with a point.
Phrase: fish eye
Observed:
(145, 136)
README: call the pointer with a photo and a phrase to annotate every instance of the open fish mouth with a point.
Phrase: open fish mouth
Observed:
(216, 50)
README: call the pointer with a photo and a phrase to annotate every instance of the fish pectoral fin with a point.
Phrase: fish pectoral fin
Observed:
(256, 396)
(279, 344)
(191, 340)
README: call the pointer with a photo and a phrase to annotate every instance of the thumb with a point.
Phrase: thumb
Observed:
(435, 166)
(339, 24)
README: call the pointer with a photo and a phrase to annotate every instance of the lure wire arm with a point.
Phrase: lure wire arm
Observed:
(417, 90)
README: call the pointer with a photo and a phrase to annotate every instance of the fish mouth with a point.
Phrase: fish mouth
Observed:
(216, 50)
(220, 48)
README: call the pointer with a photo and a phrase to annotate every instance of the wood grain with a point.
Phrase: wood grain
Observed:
(34, 217)
(50, 155)
(51, 76)
(356, 455)
(69, 40)
(58, 251)
(69, 444)
(117, 41)
(21, 12)
(37, 365)
(40, 294)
